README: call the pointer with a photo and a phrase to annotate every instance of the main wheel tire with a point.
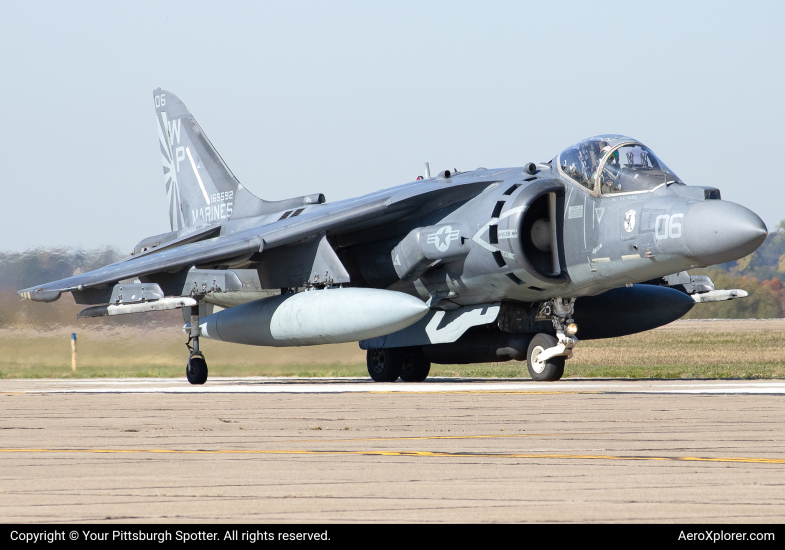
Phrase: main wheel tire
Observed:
(196, 370)
(384, 365)
(414, 366)
(545, 371)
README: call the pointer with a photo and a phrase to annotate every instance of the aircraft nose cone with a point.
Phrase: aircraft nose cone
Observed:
(719, 231)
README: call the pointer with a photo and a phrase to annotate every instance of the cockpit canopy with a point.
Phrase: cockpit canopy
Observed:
(614, 164)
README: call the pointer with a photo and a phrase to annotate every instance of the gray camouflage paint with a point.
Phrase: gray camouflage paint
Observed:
(603, 242)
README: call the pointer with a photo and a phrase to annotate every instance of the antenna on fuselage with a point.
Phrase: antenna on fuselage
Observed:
(427, 171)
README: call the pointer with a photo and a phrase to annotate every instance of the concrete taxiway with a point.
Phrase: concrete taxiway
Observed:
(454, 450)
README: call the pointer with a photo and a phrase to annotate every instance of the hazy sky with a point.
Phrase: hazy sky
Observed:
(347, 97)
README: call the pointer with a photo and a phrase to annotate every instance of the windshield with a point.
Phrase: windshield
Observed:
(620, 164)
(580, 161)
(633, 167)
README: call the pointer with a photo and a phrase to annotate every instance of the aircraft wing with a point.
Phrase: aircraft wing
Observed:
(368, 211)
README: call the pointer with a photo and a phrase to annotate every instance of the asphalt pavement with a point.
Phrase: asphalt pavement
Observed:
(343, 450)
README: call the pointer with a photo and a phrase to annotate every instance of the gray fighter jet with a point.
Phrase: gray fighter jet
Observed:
(461, 267)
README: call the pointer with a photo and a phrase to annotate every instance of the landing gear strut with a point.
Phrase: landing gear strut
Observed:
(546, 354)
(196, 369)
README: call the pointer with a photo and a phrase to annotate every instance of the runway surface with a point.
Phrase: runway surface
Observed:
(365, 385)
(451, 450)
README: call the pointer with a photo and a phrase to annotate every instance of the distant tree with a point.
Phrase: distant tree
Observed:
(36, 266)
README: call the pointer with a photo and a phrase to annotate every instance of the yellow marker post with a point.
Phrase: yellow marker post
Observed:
(73, 351)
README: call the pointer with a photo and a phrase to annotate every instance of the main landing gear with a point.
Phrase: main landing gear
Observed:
(196, 370)
(388, 364)
(546, 353)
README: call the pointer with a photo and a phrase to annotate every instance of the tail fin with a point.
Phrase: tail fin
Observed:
(200, 187)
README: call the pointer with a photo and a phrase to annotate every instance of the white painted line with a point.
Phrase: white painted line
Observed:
(769, 391)
(362, 385)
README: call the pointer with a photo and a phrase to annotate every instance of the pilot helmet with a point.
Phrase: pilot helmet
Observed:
(614, 156)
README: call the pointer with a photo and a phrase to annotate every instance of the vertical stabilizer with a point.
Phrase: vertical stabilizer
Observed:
(200, 187)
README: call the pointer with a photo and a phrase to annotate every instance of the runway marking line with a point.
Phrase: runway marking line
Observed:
(745, 460)
(388, 392)
(430, 437)
(497, 392)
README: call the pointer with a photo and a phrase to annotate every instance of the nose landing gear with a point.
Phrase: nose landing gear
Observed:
(546, 354)
(196, 369)
(540, 368)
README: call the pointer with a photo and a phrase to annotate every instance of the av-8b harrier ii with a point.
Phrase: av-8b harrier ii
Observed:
(463, 267)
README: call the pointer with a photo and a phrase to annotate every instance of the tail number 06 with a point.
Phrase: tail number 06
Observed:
(668, 226)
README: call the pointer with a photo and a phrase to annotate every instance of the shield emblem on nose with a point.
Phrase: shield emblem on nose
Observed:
(629, 221)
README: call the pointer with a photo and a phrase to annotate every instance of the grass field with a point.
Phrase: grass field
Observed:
(685, 349)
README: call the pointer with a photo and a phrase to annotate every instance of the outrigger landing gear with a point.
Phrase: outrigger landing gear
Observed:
(546, 354)
(196, 370)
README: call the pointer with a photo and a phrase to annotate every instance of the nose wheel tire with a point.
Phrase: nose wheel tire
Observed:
(544, 371)
(384, 365)
(196, 370)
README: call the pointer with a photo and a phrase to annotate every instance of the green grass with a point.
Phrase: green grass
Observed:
(707, 350)
(178, 371)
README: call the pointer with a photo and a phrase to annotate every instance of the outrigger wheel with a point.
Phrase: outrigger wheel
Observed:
(545, 371)
(196, 370)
